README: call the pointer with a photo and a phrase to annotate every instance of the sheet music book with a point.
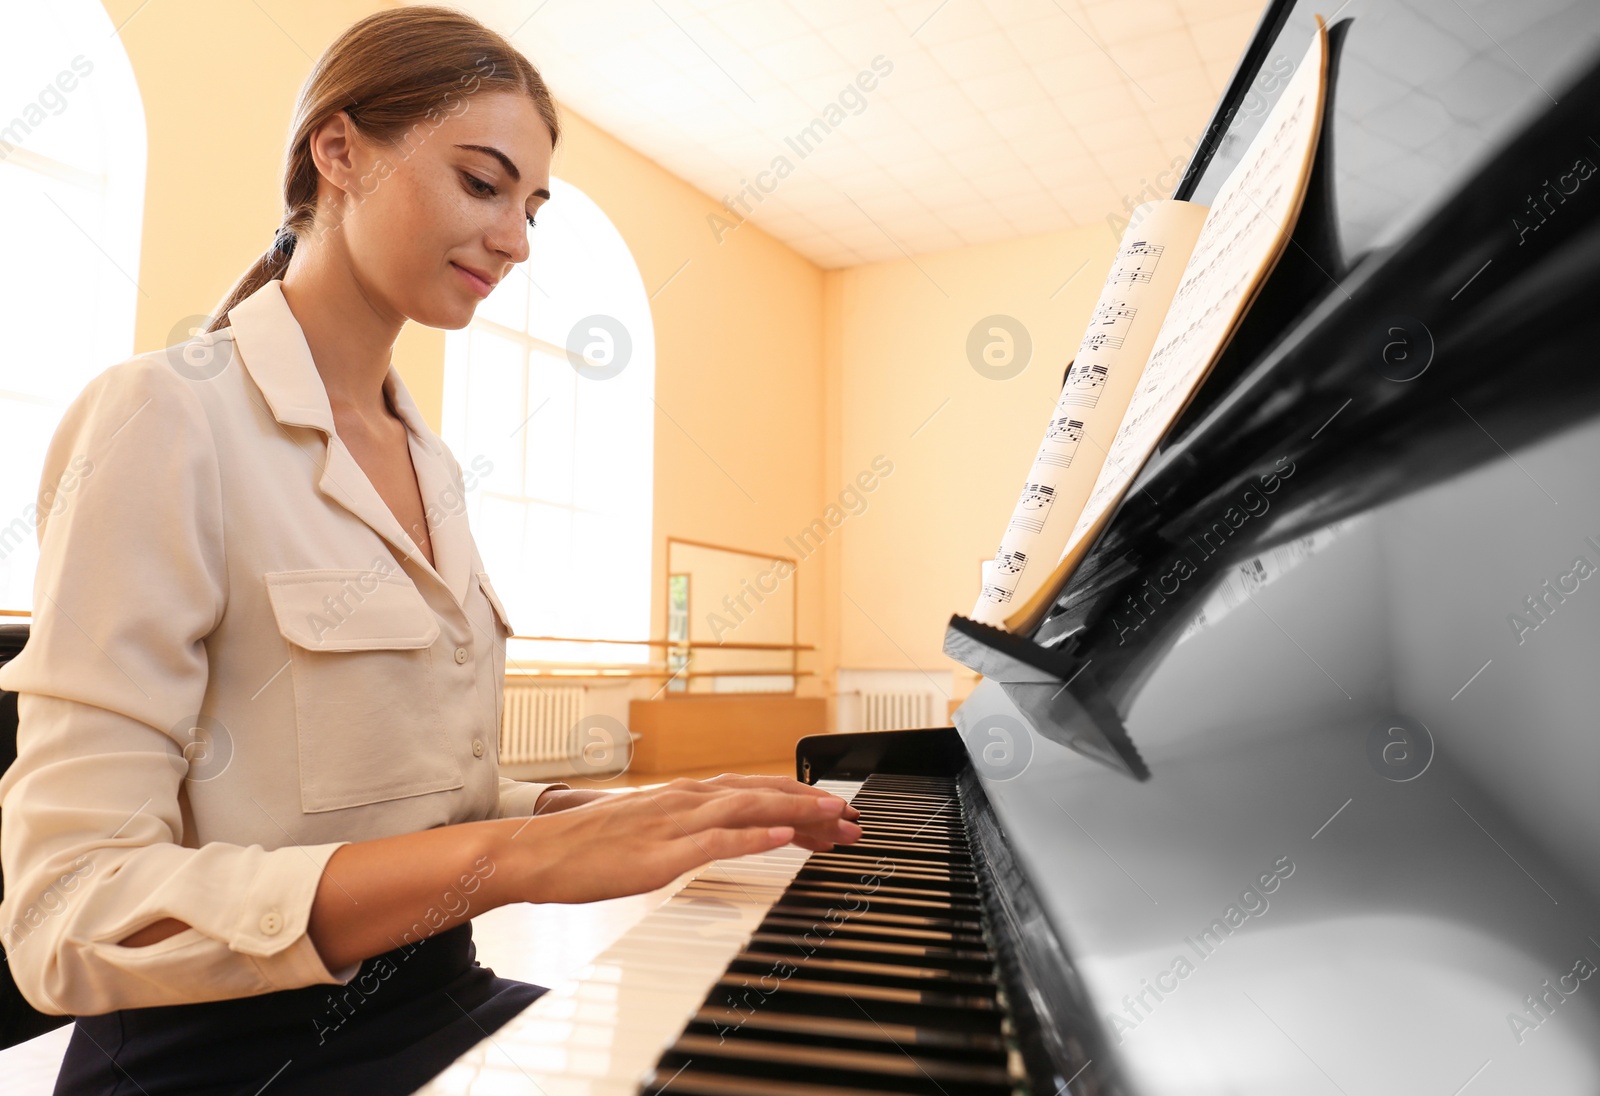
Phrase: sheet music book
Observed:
(1181, 281)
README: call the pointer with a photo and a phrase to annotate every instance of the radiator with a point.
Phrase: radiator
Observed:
(897, 711)
(540, 722)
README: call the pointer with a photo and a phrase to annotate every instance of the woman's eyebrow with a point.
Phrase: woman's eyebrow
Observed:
(505, 162)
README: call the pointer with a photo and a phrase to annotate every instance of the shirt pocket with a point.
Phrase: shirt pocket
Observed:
(366, 700)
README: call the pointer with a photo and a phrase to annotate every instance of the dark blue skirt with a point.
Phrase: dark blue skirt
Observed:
(404, 1017)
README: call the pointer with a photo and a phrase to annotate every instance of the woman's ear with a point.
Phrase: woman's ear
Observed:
(335, 150)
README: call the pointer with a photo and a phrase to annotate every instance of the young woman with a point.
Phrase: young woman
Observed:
(256, 800)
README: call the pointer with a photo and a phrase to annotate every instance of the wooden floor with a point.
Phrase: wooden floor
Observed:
(542, 944)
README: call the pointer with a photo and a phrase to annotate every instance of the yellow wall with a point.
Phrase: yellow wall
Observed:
(777, 382)
(897, 354)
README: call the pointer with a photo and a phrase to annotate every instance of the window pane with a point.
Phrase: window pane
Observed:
(552, 388)
(498, 524)
(553, 588)
(72, 168)
(48, 68)
(611, 454)
(614, 598)
(494, 411)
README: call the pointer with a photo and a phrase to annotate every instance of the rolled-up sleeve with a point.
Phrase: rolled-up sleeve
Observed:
(132, 578)
(519, 798)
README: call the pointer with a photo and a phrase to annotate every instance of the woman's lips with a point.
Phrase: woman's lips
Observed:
(475, 283)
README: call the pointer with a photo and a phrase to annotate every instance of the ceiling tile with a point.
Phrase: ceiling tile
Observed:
(994, 118)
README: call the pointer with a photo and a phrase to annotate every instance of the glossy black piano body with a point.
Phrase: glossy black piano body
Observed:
(1317, 812)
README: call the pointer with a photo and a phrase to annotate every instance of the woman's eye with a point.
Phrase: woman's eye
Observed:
(488, 190)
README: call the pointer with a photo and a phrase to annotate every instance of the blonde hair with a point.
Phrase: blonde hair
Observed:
(392, 73)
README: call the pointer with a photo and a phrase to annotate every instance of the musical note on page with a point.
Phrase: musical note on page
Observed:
(1034, 507)
(1084, 383)
(1108, 326)
(1136, 263)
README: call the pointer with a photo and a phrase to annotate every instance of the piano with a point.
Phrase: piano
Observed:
(1320, 817)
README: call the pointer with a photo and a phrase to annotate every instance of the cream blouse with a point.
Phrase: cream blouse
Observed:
(238, 661)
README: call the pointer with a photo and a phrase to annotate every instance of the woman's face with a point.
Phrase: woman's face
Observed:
(453, 195)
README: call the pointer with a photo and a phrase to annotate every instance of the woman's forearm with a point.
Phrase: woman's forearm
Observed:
(398, 880)
(377, 895)
(391, 891)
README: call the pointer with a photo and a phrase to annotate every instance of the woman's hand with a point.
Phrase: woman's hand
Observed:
(806, 837)
(632, 842)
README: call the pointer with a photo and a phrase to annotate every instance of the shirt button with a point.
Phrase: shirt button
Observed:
(271, 923)
(477, 747)
(461, 655)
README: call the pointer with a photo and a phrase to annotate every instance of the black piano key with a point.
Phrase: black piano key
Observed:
(801, 907)
(819, 987)
(888, 890)
(897, 1069)
(808, 930)
(851, 875)
(850, 1029)
(898, 850)
(752, 996)
(907, 831)
(887, 896)
(894, 868)
(689, 1081)
(850, 902)
(978, 959)
(927, 973)
(854, 877)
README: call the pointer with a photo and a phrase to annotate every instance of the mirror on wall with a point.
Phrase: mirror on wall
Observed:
(731, 620)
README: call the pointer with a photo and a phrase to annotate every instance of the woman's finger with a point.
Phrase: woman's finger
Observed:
(723, 842)
(756, 806)
(779, 783)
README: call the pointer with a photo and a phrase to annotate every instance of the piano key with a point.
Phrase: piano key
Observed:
(920, 952)
(943, 1073)
(866, 966)
(800, 907)
(891, 932)
(926, 997)
(884, 895)
(821, 869)
(886, 889)
(695, 1082)
(859, 1029)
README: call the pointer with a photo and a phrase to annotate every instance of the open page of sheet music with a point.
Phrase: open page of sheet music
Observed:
(1244, 233)
(1122, 331)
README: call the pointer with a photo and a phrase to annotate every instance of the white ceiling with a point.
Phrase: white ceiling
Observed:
(999, 119)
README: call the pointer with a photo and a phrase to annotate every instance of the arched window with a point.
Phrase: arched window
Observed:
(549, 406)
(72, 168)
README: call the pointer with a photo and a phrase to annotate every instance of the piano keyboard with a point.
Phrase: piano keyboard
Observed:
(853, 972)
